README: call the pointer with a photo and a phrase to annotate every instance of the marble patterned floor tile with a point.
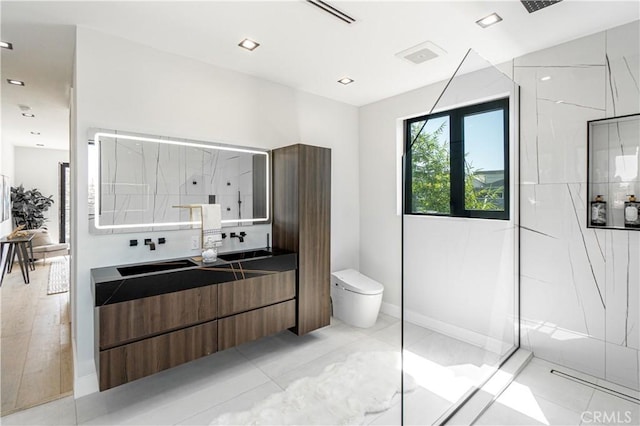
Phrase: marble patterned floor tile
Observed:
(284, 351)
(413, 333)
(134, 398)
(569, 394)
(422, 407)
(241, 402)
(519, 406)
(391, 334)
(606, 409)
(234, 380)
(178, 408)
(448, 351)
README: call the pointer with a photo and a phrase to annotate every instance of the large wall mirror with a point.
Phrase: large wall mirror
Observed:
(137, 181)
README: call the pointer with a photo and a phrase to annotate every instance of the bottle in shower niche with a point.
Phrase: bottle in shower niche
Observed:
(598, 212)
(632, 213)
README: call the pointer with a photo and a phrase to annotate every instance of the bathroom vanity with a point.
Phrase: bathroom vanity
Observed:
(154, 316)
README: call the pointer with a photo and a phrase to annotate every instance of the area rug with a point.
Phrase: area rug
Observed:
(58, 276)
(342, 395)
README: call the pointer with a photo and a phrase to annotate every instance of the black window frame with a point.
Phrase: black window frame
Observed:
(456, 161)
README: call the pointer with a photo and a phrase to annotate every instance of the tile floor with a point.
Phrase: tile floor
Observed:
(537, 397)
(235, 379)
(444, 369)
(35, 341)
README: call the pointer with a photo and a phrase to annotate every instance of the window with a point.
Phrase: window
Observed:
(458, 162)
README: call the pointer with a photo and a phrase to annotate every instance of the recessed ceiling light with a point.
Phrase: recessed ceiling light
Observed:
(248, 44)
(487, 21)
(6, 45)
(28, 114)
(346, 80)
(15, 82)
(546, 78)
(39, 144)
(35, 133)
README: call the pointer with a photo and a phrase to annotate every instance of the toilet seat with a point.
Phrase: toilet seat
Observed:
(354, 281)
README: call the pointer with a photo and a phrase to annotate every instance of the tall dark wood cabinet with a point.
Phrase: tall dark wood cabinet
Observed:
(302, 223)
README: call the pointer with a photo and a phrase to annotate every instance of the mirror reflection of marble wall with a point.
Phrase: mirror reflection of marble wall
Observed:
(141, 180)
(614, 163)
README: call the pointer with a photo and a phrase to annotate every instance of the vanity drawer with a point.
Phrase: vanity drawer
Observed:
(125, 322)
(241, 328)
(244, 295)
(136, 360)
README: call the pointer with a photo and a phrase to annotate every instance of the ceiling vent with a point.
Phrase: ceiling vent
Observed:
(423, 52)
(536, 5)
(332, 10)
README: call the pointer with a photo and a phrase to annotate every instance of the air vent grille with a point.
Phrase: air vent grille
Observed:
(332, 10)
(536, 5)
(423, 52)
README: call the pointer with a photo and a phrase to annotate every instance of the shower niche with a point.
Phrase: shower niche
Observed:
(613, 178)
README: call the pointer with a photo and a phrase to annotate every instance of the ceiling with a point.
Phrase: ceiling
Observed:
(301, 46)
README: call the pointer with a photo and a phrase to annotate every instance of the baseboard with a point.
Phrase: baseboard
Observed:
(85, 385)
(477, 339)
(82, 385)
(391, 310)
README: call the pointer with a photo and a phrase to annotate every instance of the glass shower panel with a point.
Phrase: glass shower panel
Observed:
(460, 274)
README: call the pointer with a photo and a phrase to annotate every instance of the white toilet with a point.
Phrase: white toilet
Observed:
(356, 298)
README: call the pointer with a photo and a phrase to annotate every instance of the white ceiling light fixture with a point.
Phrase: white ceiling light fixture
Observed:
(346, 80)
(15, 82)
(28, 115)
(35, 133)
(249, 44)
(546, 78)
(489, 20)
(6, 45)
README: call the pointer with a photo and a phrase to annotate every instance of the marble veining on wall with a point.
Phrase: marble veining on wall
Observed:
(580, 287)
(141, 180)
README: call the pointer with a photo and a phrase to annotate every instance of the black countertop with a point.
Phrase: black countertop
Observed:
(109, 286)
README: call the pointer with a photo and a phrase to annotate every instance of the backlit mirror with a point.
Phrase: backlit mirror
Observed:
(136, 181)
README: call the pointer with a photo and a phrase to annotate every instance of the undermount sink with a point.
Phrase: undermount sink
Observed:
(250, 254)
(155, 267)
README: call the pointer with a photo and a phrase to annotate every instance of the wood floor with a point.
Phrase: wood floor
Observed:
(35, 342)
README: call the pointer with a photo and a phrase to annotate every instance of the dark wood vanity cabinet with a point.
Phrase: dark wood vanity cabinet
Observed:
(302, 224)
(121, 323)
(140, 337)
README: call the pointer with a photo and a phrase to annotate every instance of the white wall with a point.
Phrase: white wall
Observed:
(126, 86)
(580, 286)
(39, 168)
(6, 161)
(460, 275)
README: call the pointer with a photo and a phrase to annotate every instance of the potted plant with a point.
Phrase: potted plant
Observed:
(28, 207)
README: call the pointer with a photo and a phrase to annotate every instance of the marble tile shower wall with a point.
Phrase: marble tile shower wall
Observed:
(143, 182)
(580, 296)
